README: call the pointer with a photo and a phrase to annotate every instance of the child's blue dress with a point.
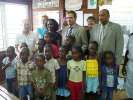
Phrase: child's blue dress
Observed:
(62, 81)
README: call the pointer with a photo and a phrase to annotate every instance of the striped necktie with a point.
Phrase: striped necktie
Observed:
(69, 31)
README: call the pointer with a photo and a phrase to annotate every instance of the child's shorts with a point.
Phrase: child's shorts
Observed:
(92, 84)
(25, 90)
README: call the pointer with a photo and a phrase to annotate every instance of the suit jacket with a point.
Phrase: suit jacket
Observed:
(79, 33)
(112, 40)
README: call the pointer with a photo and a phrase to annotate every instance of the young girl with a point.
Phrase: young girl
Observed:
(24, 68)
(9, 65)
(61, 92)
(52, 65)
(92, 71)
(76, 73)
(41, 79)
(109, 74)
(48, 40)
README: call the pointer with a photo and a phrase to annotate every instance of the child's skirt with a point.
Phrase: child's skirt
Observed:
(92, 84)
(62, 92)
(76, 90)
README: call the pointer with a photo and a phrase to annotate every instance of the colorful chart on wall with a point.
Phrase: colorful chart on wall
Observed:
(73, 4)
(92, 4)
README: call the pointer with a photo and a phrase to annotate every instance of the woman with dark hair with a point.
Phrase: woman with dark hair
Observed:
(52, 27)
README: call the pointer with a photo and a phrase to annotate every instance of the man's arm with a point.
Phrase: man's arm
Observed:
(84, 39)
(119, 44)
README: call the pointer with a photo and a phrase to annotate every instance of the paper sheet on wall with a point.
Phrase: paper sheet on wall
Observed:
(92, 4)
(73, 4)
(79, 18)
(85, 18)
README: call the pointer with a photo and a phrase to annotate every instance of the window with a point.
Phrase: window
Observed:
(11, 18)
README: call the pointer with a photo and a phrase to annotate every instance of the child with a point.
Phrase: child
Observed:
(92, 80)
(24, 67)
(41, 44)
(52, 65)
(38, 48)
(23, 44)
(109, 74)
(41, 79)
(76, 68)
(69, 41)
(48, 40)
(9, 65)
(61, 92)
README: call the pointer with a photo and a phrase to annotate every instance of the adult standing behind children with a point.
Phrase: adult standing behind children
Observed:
(91, 21)
(108, 35)
(52, 26)
(42, 30)
(128, 66)
(27, 37)
(75, 30)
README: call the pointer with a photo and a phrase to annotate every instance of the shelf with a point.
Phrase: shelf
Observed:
(45, 9)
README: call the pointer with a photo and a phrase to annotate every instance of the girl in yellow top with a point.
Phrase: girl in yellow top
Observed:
(76, 72)
(92, 81)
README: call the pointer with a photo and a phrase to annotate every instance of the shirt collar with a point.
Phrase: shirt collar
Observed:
(74, 25)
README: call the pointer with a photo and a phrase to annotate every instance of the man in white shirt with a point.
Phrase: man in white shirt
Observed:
(27, 37)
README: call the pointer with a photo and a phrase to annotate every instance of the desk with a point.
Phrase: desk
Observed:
(5, 95)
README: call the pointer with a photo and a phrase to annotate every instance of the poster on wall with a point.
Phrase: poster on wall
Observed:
(45, 3)
(105, 2)
(79, 17)
(92, 4)
(73, 4)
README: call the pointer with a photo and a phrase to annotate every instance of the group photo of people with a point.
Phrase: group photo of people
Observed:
(72, 63)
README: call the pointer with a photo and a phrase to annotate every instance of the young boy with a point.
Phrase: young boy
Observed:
(51, 64)
(23, 74)
(9, 65)
(41, 79)
(69, 42)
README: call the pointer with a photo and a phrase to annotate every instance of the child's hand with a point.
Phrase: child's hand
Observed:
(40, 91)
(115, 90)
(9, 64)
(124, 72)
(84, 87)
(5, 66)
(54, 85)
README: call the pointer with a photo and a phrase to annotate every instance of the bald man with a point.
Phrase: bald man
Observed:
(108, 35)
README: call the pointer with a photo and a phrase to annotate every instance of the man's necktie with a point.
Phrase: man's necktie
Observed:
(69, 31)
(101, 34)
